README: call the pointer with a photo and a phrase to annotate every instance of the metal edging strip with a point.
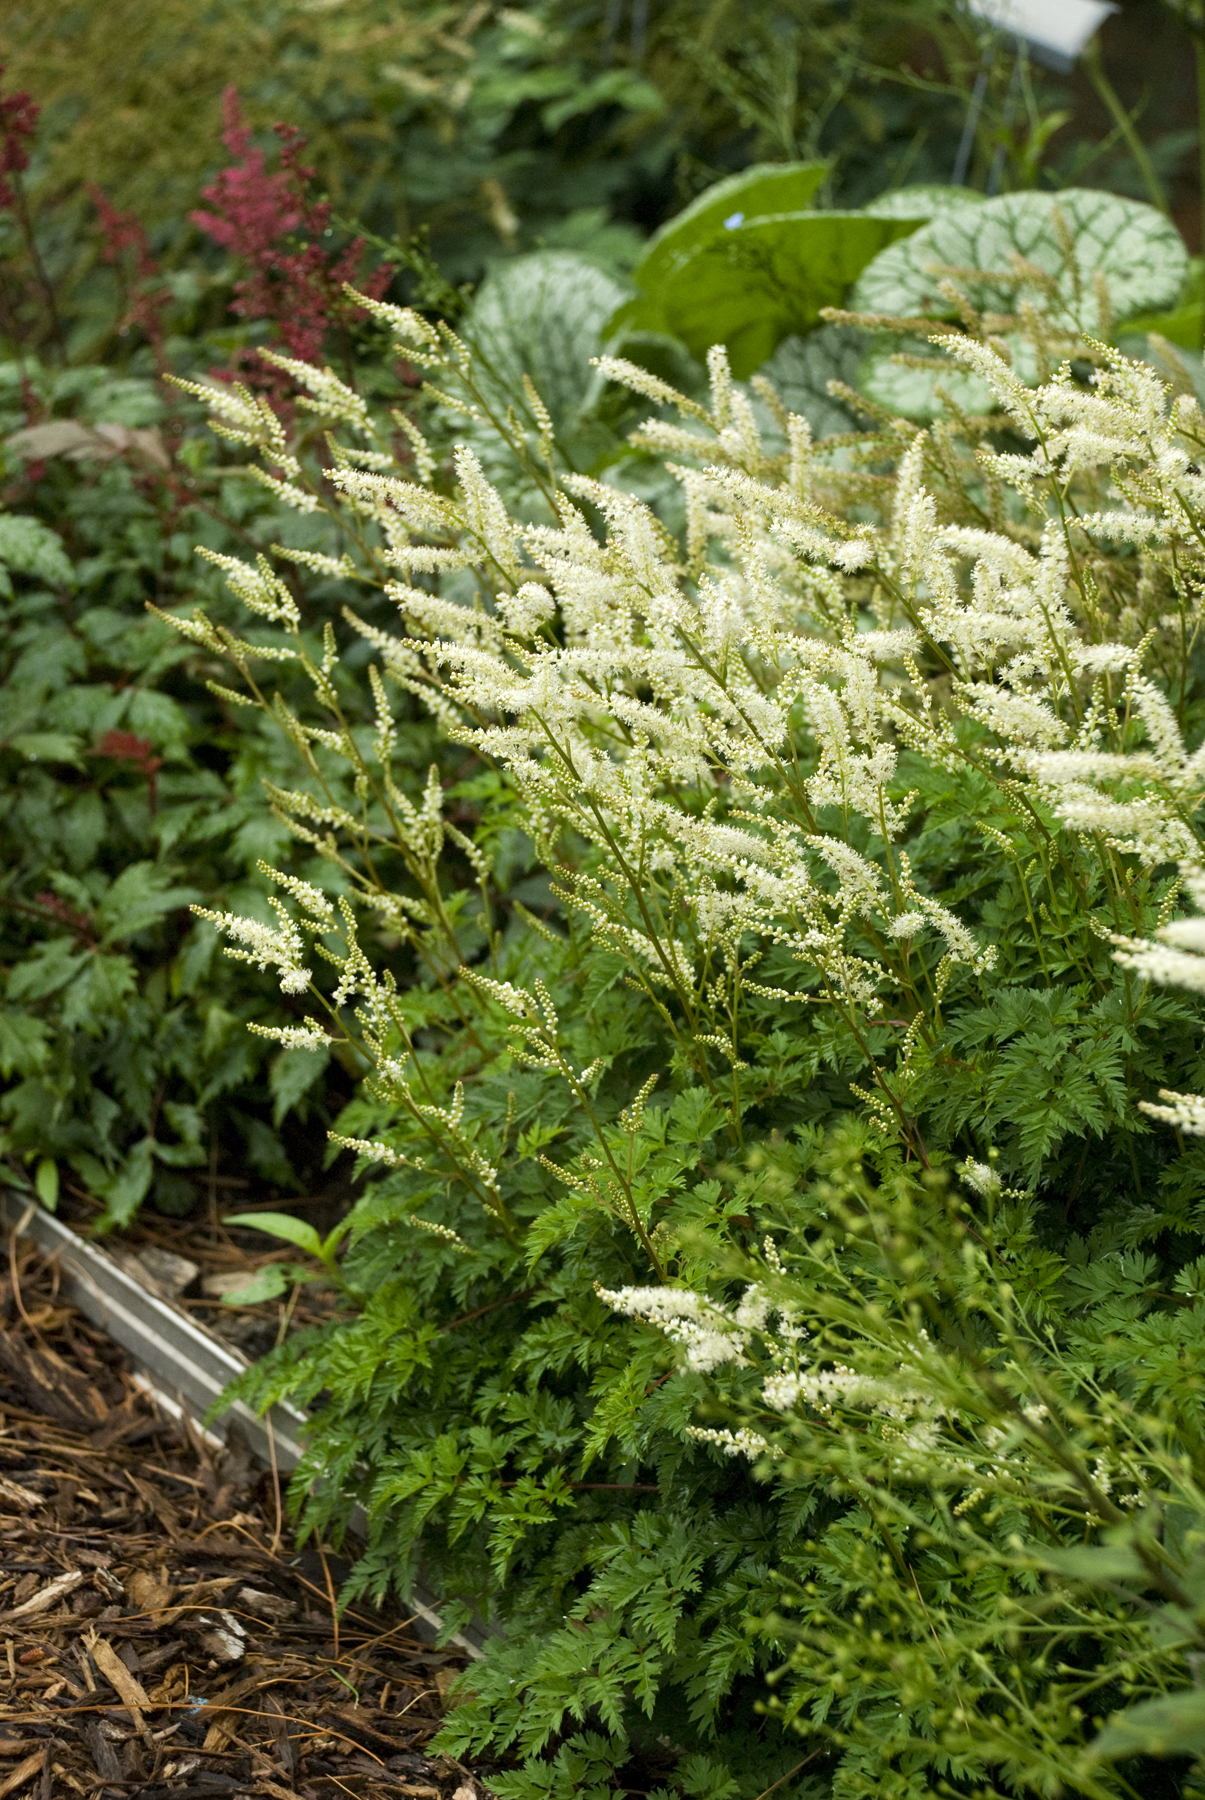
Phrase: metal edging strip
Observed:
(183, 1362)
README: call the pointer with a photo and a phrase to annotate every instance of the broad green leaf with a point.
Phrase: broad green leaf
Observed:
(1134, 250)
(927, 200)
(282, 1225)
(1092, 1562)
(1182, 324)
(1138, 253)
(541, 315)
(248, 1289)
(764, 188)
(1172, 1725)
(31, 548)
(913, 393)
(46, 1183)
(731, 249)
(756, 282)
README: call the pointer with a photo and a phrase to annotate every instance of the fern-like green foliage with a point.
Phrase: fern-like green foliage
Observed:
(808, 868)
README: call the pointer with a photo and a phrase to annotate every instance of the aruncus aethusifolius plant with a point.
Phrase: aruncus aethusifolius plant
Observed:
(851, 796)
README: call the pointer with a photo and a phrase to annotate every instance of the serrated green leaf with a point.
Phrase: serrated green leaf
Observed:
(1172, 1725)
(23, 1042)
(141, 895)
(49, 966)
(292, 1074)
(122, 1190)
(47, 746)
(31, 548)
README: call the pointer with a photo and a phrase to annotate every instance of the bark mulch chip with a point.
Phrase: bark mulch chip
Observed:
(161, 1637)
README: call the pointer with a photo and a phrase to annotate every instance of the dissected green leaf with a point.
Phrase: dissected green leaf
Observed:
(30, 548)
(140, 896)
(23, 1045)
(122, 1189)
(49, 967)
(292, 1075)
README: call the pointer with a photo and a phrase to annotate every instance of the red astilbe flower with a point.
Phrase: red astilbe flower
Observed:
(269, 222)
(65, 914)
(122, 232)
(126, 746)
(18, 126)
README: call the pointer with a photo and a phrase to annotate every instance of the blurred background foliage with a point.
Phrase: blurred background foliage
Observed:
(578, 126)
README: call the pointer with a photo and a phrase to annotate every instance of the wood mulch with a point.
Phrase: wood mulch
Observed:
(161, 1636)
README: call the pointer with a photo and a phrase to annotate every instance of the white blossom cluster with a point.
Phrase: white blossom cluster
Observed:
(721, 720)
(709, 1333)
(661, 718)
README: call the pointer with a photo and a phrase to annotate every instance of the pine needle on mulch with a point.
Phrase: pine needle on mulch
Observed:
(160, 1635)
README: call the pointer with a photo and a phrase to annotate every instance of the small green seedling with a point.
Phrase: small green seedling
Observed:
(274, 1279)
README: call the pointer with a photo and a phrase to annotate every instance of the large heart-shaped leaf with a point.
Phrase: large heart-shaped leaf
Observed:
(740, 268)
(764, 278)
(1183, 323)
(924, 201)
(802, 367)
(542, 316)
(1080, 238)
(1138, 252)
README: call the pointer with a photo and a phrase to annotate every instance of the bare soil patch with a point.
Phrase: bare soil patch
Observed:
(160, 1632)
